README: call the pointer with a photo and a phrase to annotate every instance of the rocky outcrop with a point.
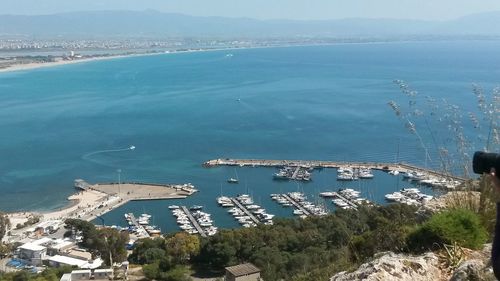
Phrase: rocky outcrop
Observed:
(429, 266)
(476, 267)
(391, 266)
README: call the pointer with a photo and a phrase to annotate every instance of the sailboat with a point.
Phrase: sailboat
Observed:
(233, 180)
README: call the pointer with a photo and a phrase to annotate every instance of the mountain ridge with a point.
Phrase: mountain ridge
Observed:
(158, 24)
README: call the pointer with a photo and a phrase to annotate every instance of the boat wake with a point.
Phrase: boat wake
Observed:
(89, 156)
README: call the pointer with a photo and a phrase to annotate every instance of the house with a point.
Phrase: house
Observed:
(243, 272)
(32, 253)
(58, 260)
(97, 274)
(57, 252)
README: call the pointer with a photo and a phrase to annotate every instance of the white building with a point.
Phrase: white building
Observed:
(32, 253)
(98, 274)
(57, 252)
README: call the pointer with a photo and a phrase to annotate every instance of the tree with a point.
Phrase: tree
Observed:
(182, 246)
(144, 245)
(4, 225)
(111, 244)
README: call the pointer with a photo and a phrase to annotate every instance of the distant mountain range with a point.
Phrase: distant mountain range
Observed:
(157, 24)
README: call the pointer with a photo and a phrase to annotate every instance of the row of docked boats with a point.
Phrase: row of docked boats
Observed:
(203, 219)
(302, 206)
(346, 198)
(141, 225)
(409, 196)
(428, 180)
(249, 213)
(295, 173)
(350, 173)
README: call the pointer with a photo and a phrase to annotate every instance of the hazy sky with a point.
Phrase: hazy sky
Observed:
(268, 9)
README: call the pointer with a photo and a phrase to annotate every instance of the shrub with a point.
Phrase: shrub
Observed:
(456, 225)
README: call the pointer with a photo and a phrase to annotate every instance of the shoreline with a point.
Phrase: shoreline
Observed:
(39, 65)
(99, 199)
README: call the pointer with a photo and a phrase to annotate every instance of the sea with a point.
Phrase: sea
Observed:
(179, 110)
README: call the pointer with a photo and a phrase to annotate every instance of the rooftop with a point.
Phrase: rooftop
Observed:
(68, 260)
(242, 269)
(32, 247)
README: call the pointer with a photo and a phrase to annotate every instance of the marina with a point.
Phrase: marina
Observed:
(445, 180)
(114, 195)
(298, 206)
(139, 228)
(298, 173)
(193, 221)
(302, 207)
(346, 200)
(246, 211)
(409, 196)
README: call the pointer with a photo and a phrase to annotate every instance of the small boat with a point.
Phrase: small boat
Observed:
(327, 194)
(173, 207)
(232, 180)
(235, 179)
(195, 208)
(280, 176)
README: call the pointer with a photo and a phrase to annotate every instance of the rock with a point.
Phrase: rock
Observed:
(391, 266)
(477, 267)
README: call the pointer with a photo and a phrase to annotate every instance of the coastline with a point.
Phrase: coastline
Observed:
(38, 65)
(98, 199)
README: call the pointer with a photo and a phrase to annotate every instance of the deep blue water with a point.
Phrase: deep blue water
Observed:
(179, 110)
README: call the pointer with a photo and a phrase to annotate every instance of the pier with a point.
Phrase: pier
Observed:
(140, 228)
(97, 199)
(297, 205)
(348, 201)
(318, 164)
(295, 173)
(245, 210)
(194, 221)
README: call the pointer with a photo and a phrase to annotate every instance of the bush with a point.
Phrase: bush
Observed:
(457, 225)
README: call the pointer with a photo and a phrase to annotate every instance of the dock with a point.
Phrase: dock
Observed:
(194, 221)
(140, 228)
(109, 196)
(318, 164)
(245, 210)
(348, 201)
(297, 205)
(295, 173)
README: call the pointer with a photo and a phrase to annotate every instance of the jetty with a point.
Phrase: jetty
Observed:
(295, 173)
(245, 210)
(296, 204)
(346, 200)
(194, 222)
(140, 229)
(318, 164)
(109, 196)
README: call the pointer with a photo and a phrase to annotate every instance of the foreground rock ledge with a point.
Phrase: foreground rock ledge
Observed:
(391, 266)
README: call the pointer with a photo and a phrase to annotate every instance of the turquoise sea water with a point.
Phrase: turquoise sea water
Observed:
(179, 110)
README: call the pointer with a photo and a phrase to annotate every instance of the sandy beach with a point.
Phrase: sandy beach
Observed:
(30, 66)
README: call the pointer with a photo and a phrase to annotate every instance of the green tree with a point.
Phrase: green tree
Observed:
(144, 245)
(111, 243)
(182, 246)
(4, 224)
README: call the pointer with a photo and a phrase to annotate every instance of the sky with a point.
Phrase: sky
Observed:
(268, 9)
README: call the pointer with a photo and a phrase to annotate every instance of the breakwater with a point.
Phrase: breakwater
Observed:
(319, 164)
